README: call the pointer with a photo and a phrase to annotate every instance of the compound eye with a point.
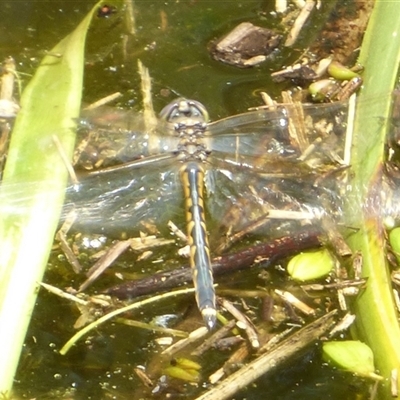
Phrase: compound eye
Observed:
(198, 110)
(184, 109)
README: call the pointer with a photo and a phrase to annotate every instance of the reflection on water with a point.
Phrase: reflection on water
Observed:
(175, 51)
(177, 34)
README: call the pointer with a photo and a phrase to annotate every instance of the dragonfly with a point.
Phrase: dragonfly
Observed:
(200, 169)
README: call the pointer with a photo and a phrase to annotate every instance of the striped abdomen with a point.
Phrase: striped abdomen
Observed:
(192, 178)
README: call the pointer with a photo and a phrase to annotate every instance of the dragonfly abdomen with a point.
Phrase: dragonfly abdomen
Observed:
(192, 178)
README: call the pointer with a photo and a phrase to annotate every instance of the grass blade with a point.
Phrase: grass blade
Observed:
(49, 106)
(376, 315)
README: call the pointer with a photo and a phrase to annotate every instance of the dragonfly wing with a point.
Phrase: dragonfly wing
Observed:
(109, 136)
(118, 200)
(239, 196)
(283, 132)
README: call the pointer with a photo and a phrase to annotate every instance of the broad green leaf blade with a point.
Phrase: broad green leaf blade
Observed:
(376, 316)
(394, 239)
(310, 265)
(49, 106)
(351, 355)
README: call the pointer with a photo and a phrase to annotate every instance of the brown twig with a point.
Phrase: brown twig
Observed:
(270, 361)
(274, 250)
(243, 322)
(299, 23)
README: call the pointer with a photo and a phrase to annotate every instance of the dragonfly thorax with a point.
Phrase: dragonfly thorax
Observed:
(189, 120)
(194, 151)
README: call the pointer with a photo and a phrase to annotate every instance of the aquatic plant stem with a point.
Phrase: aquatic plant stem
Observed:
(33, 187)
(376, 315)
(133, 306)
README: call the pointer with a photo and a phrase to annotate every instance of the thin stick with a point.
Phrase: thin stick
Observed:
(66, 161)
(103, 101)
(349, 130)
(275, 249)
(7, 79)
(114, 313)
(150, 118)
(243, 320)
(152, 327)
(270, 361)
(8, 107)
(104, 262)
(177, 232)
(299, 23)
(130, 23)
(60, 293)
(181, 344)
(208, 343)
(295, 302)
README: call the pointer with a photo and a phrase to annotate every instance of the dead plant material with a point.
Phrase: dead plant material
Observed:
(342, 34)
(273, 251)
(103, 101)
(245, 46)
(8, 107)
(104, 262)
(295, 302)
(270, 361)
(243, 322)
(181, 344)
(61, 236)
(299, 23)
(210, 342)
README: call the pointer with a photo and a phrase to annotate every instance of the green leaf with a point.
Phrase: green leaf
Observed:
(33, 187)
(394, 239)
(310, 265)
(340, 72)
(351, 355)
(376, 315)
(189, 375)
(184, 369)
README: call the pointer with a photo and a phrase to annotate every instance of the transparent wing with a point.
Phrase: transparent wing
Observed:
(109, 136)
(263, 165)
(285, 132)
(114, 202)
(256, 165)
(118, 200)
(252, 156)
(283, 199)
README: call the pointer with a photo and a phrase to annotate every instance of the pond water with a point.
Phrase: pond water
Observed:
(171, 40)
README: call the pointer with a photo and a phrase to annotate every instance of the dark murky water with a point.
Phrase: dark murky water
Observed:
(172, 39)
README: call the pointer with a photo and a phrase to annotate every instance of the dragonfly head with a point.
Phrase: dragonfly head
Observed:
(185, 112)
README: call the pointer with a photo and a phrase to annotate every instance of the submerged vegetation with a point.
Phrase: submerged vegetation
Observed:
(271, 321)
